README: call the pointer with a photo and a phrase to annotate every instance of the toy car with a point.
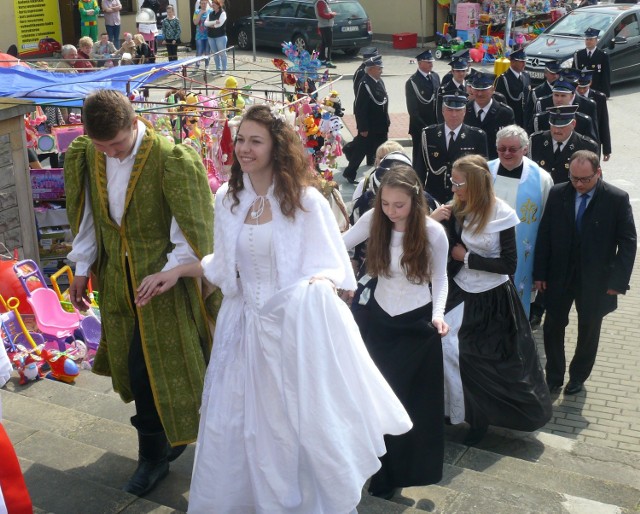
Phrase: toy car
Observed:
(48, 45)
(446, 46)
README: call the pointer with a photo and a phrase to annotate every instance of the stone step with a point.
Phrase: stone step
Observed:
(82, 431)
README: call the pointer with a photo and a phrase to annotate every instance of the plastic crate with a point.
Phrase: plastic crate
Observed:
(405, 40)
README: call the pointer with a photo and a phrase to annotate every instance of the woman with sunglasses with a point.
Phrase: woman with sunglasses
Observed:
(502, 383)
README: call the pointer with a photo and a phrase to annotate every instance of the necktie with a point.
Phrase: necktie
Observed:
(452, 136)
(556, 154)
(581, 209)
(480, 113)
(589, 54)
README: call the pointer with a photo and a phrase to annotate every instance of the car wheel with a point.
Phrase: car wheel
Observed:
(300, 42)
(351, 52)
(243, 39)
(438, 54)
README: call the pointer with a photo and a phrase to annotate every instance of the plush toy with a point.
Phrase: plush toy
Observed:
(333, 104)
(230, 97)
(27, 365)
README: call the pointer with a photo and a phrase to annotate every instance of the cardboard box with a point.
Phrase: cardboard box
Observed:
(54, 242)
(405, 40)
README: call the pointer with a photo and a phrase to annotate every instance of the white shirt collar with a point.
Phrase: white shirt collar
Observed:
(485, 109)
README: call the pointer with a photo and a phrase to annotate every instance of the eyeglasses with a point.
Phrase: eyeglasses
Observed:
(582, 180)
(510, 149)
(457, 185)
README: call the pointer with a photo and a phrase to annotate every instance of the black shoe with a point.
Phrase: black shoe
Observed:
(385, 495)
(535, 321)
(153, 464)
(147, 475)
(573, 387)
(475, 435)
(350, 178)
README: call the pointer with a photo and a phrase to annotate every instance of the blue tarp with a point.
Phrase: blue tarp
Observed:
(69, 89)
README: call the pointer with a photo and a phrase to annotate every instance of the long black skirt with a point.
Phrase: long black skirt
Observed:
(500, 369)
(408, 351)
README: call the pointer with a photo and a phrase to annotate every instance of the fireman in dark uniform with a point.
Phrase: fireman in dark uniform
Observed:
(420, 93)
(515, 85)
(372, 117)
(594, 60)
(443, 143)
(486, 112)
(552, 149)
(583, 89)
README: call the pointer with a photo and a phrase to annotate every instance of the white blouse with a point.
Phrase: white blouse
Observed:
(394, 293)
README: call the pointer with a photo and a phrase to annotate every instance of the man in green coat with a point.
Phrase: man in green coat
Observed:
(139, 204)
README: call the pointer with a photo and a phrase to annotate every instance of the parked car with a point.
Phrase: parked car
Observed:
(619, 37)
(295, 21)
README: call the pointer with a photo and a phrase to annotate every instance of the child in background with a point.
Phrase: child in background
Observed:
(171, 31)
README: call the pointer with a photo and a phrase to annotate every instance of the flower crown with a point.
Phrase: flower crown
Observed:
(277, 114)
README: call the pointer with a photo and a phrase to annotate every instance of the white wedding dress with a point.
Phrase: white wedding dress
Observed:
(294, 410)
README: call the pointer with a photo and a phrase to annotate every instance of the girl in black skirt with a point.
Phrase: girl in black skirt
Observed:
(407, 252)
(502, 379)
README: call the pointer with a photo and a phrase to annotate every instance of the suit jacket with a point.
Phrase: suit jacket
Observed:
(439, 159)
(498, 116)
(421, 97)
(604, 251)
(541, 150)
(516, 93)
(584, 125)
(599, 65)
(585, 106)
(604, 130)
(371, 106)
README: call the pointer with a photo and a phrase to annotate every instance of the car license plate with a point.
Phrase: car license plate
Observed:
(536, 75)
(350, 28)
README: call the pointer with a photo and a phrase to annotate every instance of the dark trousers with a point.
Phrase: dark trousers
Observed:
(324, 51)
(363, 147)
(418, 159)
(172, 51)
(146, 420)
(587, 345)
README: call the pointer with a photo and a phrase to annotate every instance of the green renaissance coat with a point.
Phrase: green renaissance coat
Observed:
(167, 180)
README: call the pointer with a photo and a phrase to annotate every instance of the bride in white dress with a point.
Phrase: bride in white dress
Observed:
(294, 411)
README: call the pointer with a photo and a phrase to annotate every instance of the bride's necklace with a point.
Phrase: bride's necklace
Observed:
(257, 208)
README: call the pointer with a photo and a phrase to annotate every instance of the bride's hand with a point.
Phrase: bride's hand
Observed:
(318, 277)
(154, 285)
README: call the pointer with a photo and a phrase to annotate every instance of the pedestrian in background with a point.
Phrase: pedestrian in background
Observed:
(171, 31)
(202, 40)
(217, 34)
(111, 10)
(325, 17)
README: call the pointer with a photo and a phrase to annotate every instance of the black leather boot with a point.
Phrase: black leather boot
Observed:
(153, 464)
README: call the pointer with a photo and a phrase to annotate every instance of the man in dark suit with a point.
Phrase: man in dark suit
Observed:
(487, 113)
(442, 144)
(420, 93)
(595, 61)
(372, 117)
(552, 149)
(584, 90)
(515, 85)
(585, 252)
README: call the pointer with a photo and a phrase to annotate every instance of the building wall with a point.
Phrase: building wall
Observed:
(388, 18)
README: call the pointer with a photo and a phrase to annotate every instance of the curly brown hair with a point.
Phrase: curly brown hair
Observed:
(290, 162)
(416, 254)
(480, 196)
